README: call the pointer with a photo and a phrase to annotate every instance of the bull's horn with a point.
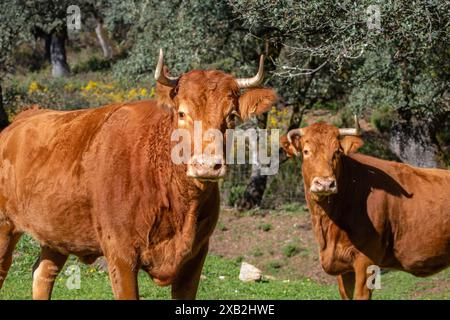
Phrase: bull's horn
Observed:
(256, 80)
(351, 131)
(160, 75)
(294, 132)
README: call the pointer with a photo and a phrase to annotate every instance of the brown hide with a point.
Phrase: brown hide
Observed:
(396, 215)
(384, 213)
(101, 182)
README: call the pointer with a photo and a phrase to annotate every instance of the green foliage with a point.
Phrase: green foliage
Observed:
(232, 192)
(403, 65)
(12, 24)
(382, 119)
(238, 260)
(92, 64)
(192, 34)
(291, 250)
(285, 187)
(265, 227)
(274, 265)
(377, 147)
(221, 226)
(292, 207)
(258, 252)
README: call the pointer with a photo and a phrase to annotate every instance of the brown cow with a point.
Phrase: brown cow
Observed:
(101, 182)
(367, 211)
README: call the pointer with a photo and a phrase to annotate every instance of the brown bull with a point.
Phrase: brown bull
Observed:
(367, 211)
(102, 182)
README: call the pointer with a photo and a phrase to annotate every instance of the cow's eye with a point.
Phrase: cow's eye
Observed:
(305, 152)
(181, 115)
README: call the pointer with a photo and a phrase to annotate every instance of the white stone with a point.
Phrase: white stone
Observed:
(249, 273)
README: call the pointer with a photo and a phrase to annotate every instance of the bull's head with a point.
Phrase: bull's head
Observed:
(215, 100)
(321, 146)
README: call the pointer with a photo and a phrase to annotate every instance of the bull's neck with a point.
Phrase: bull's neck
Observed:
(171, 227)
(173, 174)
(329, 205)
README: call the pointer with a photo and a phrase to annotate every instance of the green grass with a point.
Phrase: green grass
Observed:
(95, 283)
(290, 250)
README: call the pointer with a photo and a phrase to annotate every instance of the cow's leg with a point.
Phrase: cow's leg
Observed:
(45, 271)
(8, 241)
(186, 283)
(362, 292)
(346, 283)
(123, 275)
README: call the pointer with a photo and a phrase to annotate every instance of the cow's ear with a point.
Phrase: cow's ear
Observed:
(351, 144)
(256, 101)
(165, 94)
(290, 149)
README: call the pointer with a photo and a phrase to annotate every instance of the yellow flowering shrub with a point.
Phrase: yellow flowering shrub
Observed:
(72, 93)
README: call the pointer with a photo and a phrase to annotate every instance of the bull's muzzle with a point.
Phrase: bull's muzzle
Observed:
(324, 185)
(206, 168)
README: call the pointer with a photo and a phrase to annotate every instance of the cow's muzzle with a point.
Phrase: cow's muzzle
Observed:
(324, 186)
(206, 168)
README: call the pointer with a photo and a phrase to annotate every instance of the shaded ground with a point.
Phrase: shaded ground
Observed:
(280, 243)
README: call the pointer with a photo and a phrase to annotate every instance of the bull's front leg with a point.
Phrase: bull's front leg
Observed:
(186, 283)
(346, 283)
(362, 291)
(123, 274)
(45, 271)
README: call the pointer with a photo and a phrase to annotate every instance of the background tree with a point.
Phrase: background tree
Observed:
(327, 46)
(48, 21)
(11, 27)
(386, 61)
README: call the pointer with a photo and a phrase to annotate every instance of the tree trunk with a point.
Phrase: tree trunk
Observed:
(4, 122)
(415, 143)
(48, 43)
(256, 186)
(413, 140)
(60, 68)
(103, 39)
(303, 86)
(40, 33)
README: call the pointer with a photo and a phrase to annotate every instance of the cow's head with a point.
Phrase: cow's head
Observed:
(215, 99)
(321, 146)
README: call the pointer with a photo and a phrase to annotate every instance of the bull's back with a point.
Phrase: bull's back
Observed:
(415, 203)
(41, 176)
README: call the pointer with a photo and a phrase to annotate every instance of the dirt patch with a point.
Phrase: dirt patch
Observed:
(279, 243)
(435, 287)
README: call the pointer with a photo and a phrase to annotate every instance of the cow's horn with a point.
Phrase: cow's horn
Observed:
(256, 80)
(160, 76)
(351, 131)
(294, 132)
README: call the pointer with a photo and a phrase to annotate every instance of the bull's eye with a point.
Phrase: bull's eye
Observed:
(181, 115)
(305, 152)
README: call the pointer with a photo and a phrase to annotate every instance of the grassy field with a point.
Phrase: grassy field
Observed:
(219, 281)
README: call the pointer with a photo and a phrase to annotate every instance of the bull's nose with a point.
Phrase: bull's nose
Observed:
(205, 168)
(324, 185)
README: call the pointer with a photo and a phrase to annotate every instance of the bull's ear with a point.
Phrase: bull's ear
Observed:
(256, 101)
(351, 144)
(287, 147)
(165, 94)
